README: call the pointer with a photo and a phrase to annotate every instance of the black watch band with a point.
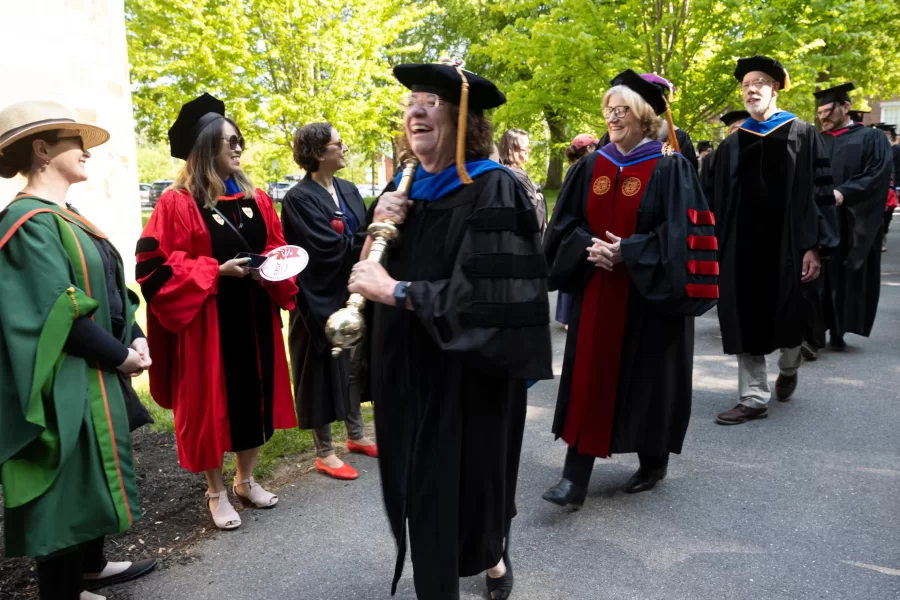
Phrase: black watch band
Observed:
(400, 293)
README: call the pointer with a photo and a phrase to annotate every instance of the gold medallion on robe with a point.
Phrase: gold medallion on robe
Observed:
(218, 219)
(601, 185)
(248, 211)
(631, 186)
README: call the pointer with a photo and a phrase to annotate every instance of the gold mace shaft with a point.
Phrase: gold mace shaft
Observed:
(347, 327)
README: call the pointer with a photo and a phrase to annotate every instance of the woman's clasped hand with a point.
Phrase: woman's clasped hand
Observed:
(605, 255)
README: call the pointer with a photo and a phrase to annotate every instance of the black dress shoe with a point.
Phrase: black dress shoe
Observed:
(137, 569)
(500, 588)
(785, 386)
(645, 479)
(565, 492)
(837, 342)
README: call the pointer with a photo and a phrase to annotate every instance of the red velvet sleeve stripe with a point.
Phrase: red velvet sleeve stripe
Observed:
(703, 242)
(700, 290)
(701, 217)
(703, 267)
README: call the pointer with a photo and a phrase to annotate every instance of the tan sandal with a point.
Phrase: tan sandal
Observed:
(224, 516)
(258, 497)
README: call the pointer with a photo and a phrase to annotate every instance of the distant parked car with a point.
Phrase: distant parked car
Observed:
(156, 190)
(368, 190)
(277, 191)
(145, 193)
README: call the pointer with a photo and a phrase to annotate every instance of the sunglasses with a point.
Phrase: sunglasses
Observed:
(234, 141)
(73, 137)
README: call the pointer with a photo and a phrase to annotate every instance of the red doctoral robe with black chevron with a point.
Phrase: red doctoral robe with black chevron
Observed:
(626, 381)
(180, 279)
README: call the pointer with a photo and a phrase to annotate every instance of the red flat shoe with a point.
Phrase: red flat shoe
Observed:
(345, 472)
(371, 450)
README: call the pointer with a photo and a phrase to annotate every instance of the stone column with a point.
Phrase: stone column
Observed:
(74, 52)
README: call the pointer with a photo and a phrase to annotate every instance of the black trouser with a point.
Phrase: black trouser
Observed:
(888, 215)
(59, 577)
(578, 466)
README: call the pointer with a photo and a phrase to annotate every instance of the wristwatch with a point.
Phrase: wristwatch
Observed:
(401, 292)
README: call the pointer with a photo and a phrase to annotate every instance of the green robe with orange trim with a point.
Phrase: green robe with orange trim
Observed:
(65, 447)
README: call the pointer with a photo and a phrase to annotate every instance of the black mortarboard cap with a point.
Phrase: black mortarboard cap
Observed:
(886, 127)
(736, 115)
(767, 65)
(838, 93)
(858, 115)
(448, 79)
(651, 93)
(193, 118)
(445, 81)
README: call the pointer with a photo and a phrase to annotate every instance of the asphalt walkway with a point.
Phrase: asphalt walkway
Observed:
(804, 504)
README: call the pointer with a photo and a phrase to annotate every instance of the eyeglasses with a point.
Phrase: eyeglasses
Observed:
(823, 112)
(424, 101)
(757, 84)
(618, 111)
(74, 137)
(234, 141)
(339, 144)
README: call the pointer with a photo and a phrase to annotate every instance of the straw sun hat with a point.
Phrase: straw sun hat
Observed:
(34, 116)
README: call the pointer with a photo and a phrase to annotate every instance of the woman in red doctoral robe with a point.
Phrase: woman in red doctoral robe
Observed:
(215, 327)
(632, 240)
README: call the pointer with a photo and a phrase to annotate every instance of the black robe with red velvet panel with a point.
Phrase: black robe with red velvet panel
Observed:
(218, 352)
(321, 382)
(773, 201)
(861, 165)
(626, 382)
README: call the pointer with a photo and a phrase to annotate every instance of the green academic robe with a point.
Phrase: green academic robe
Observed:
(65, 446)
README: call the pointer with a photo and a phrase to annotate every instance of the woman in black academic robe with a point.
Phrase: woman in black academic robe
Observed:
(632, 239)
(321, 214)
(458, 325)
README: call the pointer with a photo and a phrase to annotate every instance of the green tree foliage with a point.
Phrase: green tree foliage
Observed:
(277, 63)
(154, 162)
(557, 57)
(281, 63)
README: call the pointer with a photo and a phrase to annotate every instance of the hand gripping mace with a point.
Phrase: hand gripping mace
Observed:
(347, 327)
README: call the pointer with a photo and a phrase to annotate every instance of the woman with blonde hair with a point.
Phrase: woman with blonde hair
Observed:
(632, 239)
(214, 325)
(68, 346)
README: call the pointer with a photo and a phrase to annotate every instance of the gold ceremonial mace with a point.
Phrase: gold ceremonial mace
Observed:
(347, 327)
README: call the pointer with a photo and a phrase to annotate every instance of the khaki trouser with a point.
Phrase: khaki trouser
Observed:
(753, 376)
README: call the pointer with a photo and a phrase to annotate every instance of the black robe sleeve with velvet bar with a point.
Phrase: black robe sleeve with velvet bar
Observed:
(449, 378)
(671, 264)
(321, 383)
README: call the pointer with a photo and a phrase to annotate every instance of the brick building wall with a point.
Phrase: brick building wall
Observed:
(886, 111)
(74, 52)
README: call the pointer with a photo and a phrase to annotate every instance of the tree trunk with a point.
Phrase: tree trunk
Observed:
(557, 125)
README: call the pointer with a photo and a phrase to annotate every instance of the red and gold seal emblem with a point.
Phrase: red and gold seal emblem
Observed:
(601, 185)
(631, 186)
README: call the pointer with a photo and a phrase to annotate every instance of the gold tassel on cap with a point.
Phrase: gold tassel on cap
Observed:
(461, 130)
(673, 140)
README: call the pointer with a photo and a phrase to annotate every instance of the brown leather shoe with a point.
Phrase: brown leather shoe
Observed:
(741, 414)
(785, 386)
